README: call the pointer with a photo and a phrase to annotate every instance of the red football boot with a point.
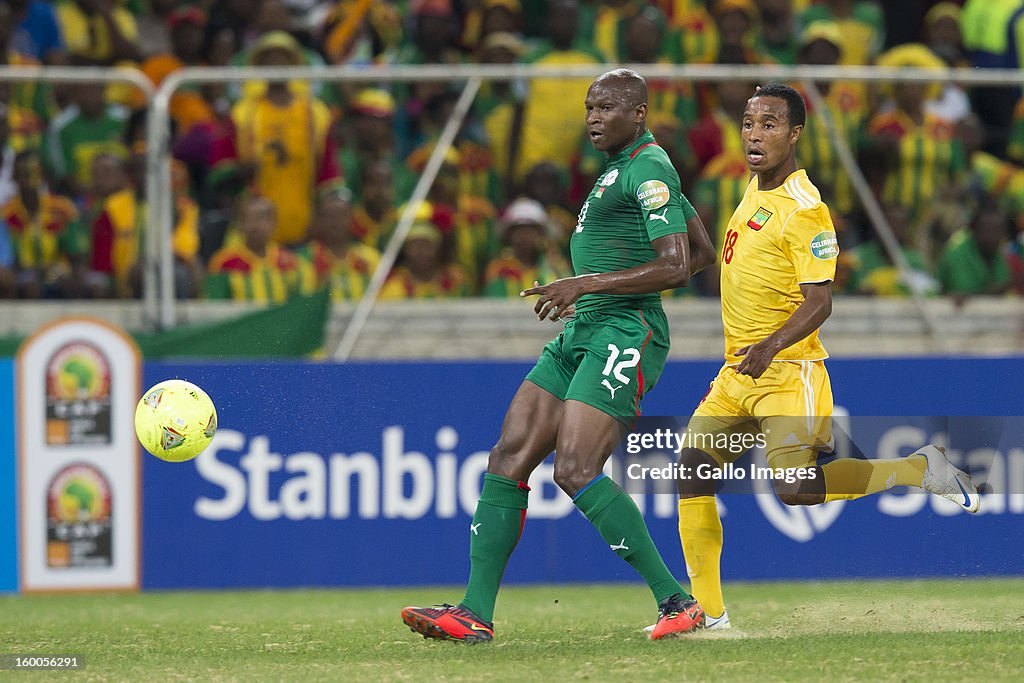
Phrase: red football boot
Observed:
(676, 616)
(448, 622)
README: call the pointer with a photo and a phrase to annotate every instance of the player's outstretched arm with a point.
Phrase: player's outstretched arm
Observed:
(668, 270)
(702, 252)
(809, 316)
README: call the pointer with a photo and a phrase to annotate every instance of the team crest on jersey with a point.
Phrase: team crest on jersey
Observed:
(652, 194)
(759, 218)
(607, 181)
(825, 246)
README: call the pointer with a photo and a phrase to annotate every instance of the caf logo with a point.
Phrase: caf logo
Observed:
(78, 400)
(78, 518)
(78, 371)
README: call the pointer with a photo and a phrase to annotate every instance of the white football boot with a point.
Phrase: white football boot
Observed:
(719, 623)
(943, 479)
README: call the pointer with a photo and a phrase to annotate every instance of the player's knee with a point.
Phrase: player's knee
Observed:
(789, 494)
(791, 498)
(797, 493)
(571, 476)
(506, 461)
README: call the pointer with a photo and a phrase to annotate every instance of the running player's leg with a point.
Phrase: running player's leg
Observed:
(802, 388)
(701, 534)
(853, 478)
(623, 355)
(700, 527)
(586, 439)
(527, 437)
(927, 468)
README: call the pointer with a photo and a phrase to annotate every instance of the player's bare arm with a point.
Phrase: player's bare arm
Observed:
(702, 255)
(702, 252)
(670, 269)
(809, 316)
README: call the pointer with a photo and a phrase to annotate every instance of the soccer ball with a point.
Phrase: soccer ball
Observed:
(175, 420)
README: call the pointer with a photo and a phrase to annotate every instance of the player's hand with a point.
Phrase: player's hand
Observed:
(756, 358)
(557, 299)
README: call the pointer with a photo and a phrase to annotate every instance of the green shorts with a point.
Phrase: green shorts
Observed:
(607, 359)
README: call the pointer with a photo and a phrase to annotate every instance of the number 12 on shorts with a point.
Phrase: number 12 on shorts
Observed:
(630, 359)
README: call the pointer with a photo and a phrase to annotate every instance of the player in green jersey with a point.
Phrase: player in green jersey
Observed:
(636, 235)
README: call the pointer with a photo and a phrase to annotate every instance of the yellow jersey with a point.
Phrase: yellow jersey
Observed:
(287, 145)
(775, 241)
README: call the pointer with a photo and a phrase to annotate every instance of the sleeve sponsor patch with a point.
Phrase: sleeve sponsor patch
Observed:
(825, 246)
(652, 194)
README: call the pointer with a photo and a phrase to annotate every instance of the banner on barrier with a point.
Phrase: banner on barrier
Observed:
(368, 474)
(77, 384)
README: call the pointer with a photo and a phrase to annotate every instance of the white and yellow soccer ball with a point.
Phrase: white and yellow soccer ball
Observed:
(175, 420)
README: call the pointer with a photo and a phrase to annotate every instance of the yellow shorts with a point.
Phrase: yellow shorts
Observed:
(790, 405)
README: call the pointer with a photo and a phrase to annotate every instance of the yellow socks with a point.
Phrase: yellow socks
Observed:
(700, 531)
(849, 479)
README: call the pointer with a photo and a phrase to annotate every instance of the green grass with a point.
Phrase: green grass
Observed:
(877, 631)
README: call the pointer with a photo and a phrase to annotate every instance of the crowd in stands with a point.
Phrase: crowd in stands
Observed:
(281, 188)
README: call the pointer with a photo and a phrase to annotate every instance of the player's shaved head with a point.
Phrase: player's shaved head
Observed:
(629, 83)
(616, 107)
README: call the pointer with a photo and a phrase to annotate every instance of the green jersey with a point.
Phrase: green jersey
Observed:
(963, 270)
(635, 201)
(73, 141)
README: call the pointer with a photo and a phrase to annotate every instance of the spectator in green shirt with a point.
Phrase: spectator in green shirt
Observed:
(873, 271)
(861, 23)
(975, 260)
(779, 34)
(83, 130)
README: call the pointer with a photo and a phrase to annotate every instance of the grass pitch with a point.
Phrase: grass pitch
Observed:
(877, 631)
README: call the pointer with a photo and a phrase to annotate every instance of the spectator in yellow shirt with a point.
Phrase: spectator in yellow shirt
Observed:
(117, 231)
(254, 267)
(282, 141)
(341, 263)
(544, 112)
(98, 32)
(423, 273)
(44, 233)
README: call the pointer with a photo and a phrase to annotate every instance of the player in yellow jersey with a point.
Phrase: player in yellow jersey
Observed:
(778, 262)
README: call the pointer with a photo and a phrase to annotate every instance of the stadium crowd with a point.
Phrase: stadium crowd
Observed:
(282, 188)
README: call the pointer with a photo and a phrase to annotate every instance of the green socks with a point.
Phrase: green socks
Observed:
(622, 527)
(496, 528)
(498, 523)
